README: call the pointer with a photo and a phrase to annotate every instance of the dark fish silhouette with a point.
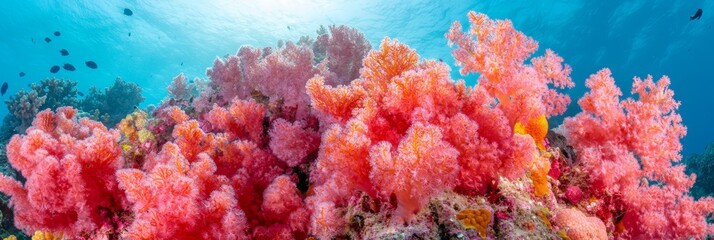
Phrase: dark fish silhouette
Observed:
(57, 33)
(22, 74)
(129, 34)
(54, 69)
(64, 52)
(80, 94)
(91, 64)
(697, 15)
(289, 27)
(128, 12)
(48, 40)
(181, 63)
(68, 67)
(441, 60)
(3, 90)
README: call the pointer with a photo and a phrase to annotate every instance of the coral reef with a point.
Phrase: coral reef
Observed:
(328, 139)
(57, 92)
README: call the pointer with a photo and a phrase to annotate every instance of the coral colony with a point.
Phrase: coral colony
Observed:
(331, 139)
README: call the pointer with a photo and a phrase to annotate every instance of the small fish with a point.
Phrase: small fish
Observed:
(181, 63)
(48, 40)
(129, 34)
(54, 69)
(697, 15)
(3, 90)
(289, 27)
(128, 12)
(22, 74)
(68, 67)
(64, 52)
(91, 64)
(57, 33)
(33, 40)
(80, 94)
(441, 60)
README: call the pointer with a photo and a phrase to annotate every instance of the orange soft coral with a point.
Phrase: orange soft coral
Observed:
(536, 127)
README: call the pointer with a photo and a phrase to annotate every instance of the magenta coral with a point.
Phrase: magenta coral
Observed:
(69, 165)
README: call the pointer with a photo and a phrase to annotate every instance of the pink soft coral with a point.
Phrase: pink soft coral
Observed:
(400, 101)
(345, 48)
(182, 200)
(422, 166)
(498, 53)
(69, 165)
(292, 142)
(625, 144)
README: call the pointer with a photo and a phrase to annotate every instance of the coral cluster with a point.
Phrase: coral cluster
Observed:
(701, 164)
(110, 106)
(69, 165)
(115, 102)
(327, 139)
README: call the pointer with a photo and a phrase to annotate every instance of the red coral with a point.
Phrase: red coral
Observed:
(69, 166)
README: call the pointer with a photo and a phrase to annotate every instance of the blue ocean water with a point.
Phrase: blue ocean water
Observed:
(164, 38)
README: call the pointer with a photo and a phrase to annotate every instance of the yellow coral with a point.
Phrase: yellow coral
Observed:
(40, 235)
(563, 235)
(11, 237)
(475, 219)
(145, 135)
(129, 125)
(543, 214)
(536, 127)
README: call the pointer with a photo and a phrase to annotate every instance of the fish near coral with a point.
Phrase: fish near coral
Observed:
(3, 90)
